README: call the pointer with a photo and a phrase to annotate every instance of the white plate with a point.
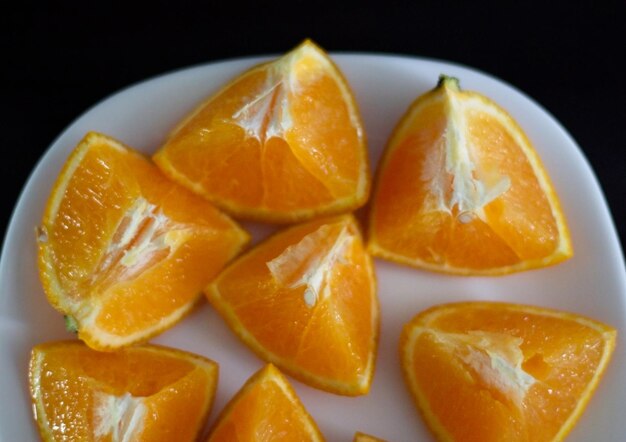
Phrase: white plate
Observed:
(593, 283)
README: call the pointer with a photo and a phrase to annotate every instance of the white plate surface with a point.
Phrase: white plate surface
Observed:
(593, 283)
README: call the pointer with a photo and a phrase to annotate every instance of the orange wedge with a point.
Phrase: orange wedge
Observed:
(305, 300)
(281, 142)
(362, 437)
(460, 189)
(484, 371)
(146, 393)
(265, 409)
(123, 252)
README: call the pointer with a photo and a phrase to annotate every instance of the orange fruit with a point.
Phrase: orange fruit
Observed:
(124, 252)
(485, 371)
(460, 189)
(281, 142)
(362, 437)
(265, 409)
(305, 300)
(146, 393)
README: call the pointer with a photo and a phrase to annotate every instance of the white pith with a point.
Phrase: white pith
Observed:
(494, 359)
(466, 194)
(267, 114)
(119, 417)
(298, 265)
(144, 242)
(142, 232)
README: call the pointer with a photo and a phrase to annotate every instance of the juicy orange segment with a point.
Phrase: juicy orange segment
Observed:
(123, 251)
(281, 142)
(513, 372)
(461, 190)
(305, 300)
(265, 409)
(146, 393)
(362, 437)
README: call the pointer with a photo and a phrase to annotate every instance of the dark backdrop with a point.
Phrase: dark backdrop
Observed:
(58, 59)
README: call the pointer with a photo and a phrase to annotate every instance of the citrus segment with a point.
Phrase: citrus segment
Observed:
(281, 142)
(461, 190)
(146, 393)
(265, 409)
(486, 371)
(362, 437)
(122, 250)
(305, 300)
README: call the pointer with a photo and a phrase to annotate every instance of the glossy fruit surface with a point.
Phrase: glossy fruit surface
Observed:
(123, 252)
(460, 189)
(282, 142)
(145, 393)
(486, 371)
(305, 300)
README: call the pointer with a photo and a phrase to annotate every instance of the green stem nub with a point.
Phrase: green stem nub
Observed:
(447, 81)
(70, 324)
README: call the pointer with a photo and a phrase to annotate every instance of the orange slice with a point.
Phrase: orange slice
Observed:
(483, 371)
(124, 252)
(305, 300)
(146, 393)
(362, 437)
(281, 142)
(265, 409)
(461, 190)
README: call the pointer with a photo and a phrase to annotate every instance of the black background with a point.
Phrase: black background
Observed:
(58, 59)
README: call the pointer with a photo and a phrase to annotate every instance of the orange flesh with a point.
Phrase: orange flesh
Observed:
(127, 243)
(331, 341)
(68, 382)
(561, 354)
(282, 138)
(413, 220)
(324, 136)
(362, 437)
(522, 215)
(265, 409)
